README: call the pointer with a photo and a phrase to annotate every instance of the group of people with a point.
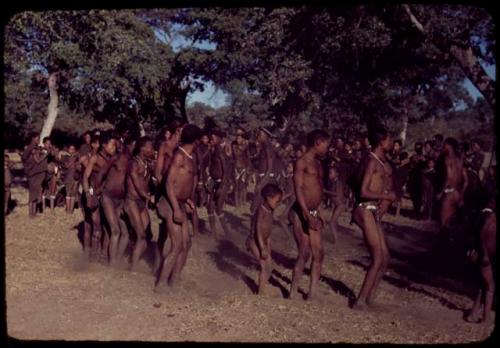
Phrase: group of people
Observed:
(186, 168)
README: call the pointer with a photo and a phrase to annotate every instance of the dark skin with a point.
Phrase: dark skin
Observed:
(137, 198)
(87, 213)
(93, 176)
(308, 182)
(241, 159)
(202, 153)
(374, 188)
(112, 204)
(218, 172)
(164, 159)
(69, 166)
(338, 200)
(259, 241)
(181, 185)
(263, 166)
(456, 179)
(165, 154)
(487, 253)
(36, 156)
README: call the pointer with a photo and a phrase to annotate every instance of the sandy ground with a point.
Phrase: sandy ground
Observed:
(52, 294)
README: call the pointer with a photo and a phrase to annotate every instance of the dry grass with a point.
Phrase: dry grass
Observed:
(52, 293)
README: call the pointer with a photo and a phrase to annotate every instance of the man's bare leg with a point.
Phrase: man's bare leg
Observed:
(112, 218)
(317, 260)
(175, 233)
(134, 215)
(302, 241)
(384, 266)
(182, 256)
(334, 225)
(366, 219)
(96, 233)
(123, 241)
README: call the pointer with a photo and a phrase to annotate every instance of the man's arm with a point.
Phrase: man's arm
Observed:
(269, 159)
(137, 181)
(159, 162)
(87, 173)
(173, 172)
(298, 180)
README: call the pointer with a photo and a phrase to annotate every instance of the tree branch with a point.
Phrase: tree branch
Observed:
(413, 19)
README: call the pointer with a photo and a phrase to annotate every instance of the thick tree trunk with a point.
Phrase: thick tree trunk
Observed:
(402, 135)
(466, 59)
(182, 103)
(52, 109)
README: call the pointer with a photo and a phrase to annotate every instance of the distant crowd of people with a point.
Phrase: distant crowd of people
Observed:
(117, 179)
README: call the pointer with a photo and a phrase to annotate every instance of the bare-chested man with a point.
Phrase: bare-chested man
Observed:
(35, 166)
(138, 195)
(203, 154)
(452, 183)
(171, 135)
(264, 164)
(259, 240)
(52, 174)
(374, 183)
(112, 202)
(218, 185)
(80, 169)
(69, 162)
(241, 164)
(180, 185)
(484, 254)
(304, 214)
(93, 176)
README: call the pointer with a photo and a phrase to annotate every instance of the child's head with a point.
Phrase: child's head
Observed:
(289, 167)
(71, 149)
(6, 159)
(272, 194)
(332, 172)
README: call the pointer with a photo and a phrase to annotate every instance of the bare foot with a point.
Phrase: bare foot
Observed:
(359, 305)
(161, 288)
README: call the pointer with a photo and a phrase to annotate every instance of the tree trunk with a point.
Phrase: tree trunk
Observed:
(182, 102)
(402, 135)
(465, 58)
(142, 132)
(52, 109)
(475, 72)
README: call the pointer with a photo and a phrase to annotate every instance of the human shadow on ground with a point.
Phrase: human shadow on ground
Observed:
(423, 257)
(228, 255)
(405, 284)
(336, 285)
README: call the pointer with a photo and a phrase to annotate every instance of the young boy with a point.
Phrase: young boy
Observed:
(304, 214)
(259, 240)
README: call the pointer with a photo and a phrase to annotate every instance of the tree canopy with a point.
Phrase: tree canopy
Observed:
(295, 68)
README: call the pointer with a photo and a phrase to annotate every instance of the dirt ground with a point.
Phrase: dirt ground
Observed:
(53, 294)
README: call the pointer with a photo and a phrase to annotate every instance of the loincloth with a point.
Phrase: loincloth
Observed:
(296, 209)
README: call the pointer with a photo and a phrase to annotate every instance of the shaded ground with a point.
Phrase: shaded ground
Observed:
(52, 293)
